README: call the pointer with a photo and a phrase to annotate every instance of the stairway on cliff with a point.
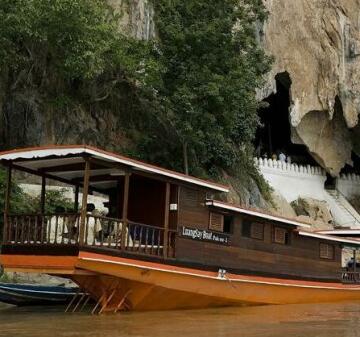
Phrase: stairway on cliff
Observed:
(350, 218)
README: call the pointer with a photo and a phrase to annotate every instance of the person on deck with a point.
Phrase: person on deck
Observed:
(56, 225)
(94, 227)
(282, 157)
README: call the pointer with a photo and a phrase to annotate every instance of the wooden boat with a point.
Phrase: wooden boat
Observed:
(168, 241)
(29, 294)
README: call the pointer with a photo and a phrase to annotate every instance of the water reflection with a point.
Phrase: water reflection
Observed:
(320, 320)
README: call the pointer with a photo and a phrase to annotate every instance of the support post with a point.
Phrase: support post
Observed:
(7, 202)
(84, 202)
(354, 257)
(76, 199)
(166, 220)
(43, 193)
(125, 210)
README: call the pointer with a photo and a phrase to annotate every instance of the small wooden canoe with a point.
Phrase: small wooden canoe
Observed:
(28, 294)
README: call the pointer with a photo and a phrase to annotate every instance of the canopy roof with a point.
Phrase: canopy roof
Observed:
(287, 221)
(341, 232)
(347, 241)
(237, 209)
(66, 163)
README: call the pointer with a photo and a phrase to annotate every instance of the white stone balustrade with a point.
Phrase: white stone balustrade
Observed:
(349, 185)
(264, 163)
(350, 177)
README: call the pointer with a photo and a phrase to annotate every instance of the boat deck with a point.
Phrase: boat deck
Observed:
(52, 231)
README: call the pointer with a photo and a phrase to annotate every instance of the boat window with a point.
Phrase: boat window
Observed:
(281, 236)
(254, 230)
(245, 229)
(190, 198)
(257, 231)
(326, 251)
(216, 222)
(220, 222)
(228, 223)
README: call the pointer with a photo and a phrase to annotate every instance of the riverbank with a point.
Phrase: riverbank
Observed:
(35, 278)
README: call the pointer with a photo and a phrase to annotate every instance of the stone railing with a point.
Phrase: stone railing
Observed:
(293, 168)
(349, 185)
(350, 177)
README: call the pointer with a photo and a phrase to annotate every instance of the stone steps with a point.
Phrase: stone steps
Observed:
(350, 217)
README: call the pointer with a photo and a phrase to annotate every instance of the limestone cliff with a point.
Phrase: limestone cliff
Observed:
(137, 17)
(318, 44)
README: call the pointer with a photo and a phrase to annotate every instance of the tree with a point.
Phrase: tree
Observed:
(213, 65)
(68, 49)
(20, 203)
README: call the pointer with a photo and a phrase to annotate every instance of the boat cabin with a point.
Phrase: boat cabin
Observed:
(157, 215)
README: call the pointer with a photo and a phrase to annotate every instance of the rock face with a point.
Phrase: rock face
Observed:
(313, 211)
(318, 44)
(137, 17)
(281, 206)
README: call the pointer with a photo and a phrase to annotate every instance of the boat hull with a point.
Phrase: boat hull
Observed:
(152, 286)
(118, 283)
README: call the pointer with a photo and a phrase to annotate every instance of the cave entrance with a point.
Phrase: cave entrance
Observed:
(355, 168)
(330, 182)
(274, 134)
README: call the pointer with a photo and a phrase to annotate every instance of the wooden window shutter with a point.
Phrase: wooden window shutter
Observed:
(189, 198)
(280, 235)
(326, 251)
(216, 222)
(257, 231)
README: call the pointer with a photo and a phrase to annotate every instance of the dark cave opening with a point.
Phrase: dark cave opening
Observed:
(274, 134)
(355, 168)
(355, 158)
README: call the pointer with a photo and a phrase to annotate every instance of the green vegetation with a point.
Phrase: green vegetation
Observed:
(64, 40)
(22, 203)
(185, 100)
(212, 65)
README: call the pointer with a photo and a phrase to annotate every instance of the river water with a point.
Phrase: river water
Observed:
(319, 320)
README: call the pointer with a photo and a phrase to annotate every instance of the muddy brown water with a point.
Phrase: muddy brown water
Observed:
(320, 320)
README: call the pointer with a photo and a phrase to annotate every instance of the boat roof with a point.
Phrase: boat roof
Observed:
(54, 157)
(328, 237)
(341, 232)
(263, 215)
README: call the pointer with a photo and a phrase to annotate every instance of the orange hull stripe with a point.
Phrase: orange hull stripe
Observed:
(38, 262)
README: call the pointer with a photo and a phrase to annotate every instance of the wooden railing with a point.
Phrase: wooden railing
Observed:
(103, 231)
(99, 231)
(133, 237)
(42, 229)
(350, 277)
